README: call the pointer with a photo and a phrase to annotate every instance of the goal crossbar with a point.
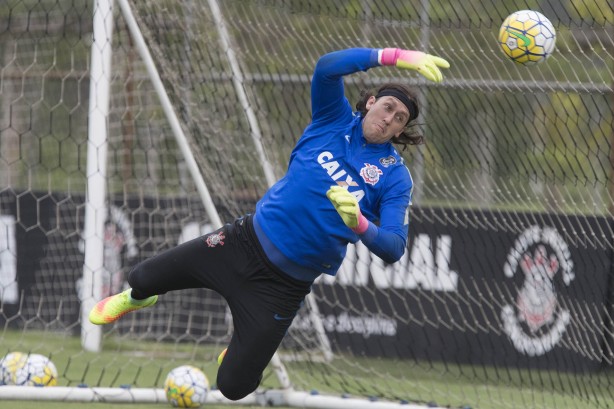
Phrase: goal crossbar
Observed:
(271, 397)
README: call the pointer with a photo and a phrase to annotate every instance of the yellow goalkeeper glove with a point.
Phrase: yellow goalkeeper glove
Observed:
(426, 64)
(347, 207)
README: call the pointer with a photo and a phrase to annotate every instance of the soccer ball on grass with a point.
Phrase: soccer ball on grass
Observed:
(186, 387)
(21, 369)
(527, 37)
(9, 365)
(38, 370)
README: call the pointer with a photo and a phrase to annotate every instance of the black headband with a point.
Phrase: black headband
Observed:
(401, 96)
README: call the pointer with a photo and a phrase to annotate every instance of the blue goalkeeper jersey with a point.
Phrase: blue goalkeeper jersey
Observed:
(295, 214)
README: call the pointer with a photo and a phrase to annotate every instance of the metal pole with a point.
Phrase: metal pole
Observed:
(167, 107)
(238, 81)
(418, 164)
(95, 205)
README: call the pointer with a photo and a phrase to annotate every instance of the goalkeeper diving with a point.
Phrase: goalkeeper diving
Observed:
(345, 182)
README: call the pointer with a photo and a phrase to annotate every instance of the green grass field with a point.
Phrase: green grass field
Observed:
(125, 361)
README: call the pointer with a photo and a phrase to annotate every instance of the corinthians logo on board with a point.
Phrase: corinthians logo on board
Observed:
(540, 260)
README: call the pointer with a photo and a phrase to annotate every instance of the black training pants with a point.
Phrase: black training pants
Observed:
(263, 300)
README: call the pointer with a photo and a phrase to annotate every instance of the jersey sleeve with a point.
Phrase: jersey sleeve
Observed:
(328, 100)
(389, 240)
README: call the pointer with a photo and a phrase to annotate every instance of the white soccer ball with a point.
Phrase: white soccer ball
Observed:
(527, 37)
(186, 387)
(9, 365)
(37, 370)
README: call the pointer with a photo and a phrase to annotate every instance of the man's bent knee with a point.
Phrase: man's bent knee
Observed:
(235, 388)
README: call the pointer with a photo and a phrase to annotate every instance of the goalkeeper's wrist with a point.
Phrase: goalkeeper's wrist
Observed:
(363, 225)
(388, 56)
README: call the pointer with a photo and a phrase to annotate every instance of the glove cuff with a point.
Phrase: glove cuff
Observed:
(363, 225)
(388, 56)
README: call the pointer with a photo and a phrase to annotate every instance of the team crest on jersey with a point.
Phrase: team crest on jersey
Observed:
(215, 239)
(390, 160)
(370, 174)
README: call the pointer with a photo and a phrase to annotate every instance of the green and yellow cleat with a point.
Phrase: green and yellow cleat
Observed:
(116, 306)
(221, 356)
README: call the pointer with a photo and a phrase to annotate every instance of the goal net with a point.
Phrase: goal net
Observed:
(505, 295)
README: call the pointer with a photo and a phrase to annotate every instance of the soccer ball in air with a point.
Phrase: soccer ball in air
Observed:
(38, 370)
(186, 387)
(527, 37)
(9, 365)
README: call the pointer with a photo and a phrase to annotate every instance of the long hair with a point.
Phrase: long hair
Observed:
(409, 136)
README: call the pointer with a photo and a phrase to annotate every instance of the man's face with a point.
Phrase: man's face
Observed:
(386, 118)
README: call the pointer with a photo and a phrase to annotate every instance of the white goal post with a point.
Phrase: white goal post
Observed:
(270, 397)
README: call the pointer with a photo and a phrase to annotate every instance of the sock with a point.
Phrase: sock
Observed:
(137, 298)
